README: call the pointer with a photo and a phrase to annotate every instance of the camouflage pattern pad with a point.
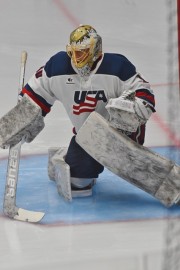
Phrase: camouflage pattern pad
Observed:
(137, 164)
(59, 171)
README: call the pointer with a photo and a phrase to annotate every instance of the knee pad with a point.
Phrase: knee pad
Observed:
(59, 171)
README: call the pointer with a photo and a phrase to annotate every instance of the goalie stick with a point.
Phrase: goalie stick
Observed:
(9, 207)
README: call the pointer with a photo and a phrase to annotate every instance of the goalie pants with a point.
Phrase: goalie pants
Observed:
(82, 165)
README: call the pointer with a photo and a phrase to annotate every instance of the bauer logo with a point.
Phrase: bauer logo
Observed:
(86, 101)
(13, 162)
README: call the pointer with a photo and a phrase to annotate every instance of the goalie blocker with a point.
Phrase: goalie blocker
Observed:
(137, 164)
(25, 120)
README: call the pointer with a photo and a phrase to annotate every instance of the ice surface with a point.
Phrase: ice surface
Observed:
(137, 29)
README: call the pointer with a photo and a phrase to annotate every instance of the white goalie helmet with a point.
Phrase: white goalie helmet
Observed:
(84, 48)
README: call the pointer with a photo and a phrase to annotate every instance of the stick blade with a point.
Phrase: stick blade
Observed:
(28, 216)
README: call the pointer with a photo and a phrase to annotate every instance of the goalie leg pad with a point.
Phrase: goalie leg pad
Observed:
(24, 120)
(137, 164)
(52, 151)
(59, 171)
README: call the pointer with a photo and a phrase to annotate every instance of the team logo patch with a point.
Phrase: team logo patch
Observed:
(69, 81)
(86, 101)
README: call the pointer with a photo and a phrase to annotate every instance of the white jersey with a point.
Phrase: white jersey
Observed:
(58, 80)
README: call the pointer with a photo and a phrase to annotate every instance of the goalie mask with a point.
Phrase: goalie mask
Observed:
(85, 48)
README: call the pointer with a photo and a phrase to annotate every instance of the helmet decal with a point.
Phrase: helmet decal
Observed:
(84, 48)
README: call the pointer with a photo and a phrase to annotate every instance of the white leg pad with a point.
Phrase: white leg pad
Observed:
(137, 164)
(54, 152)
(63, 180)
(59, 171)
